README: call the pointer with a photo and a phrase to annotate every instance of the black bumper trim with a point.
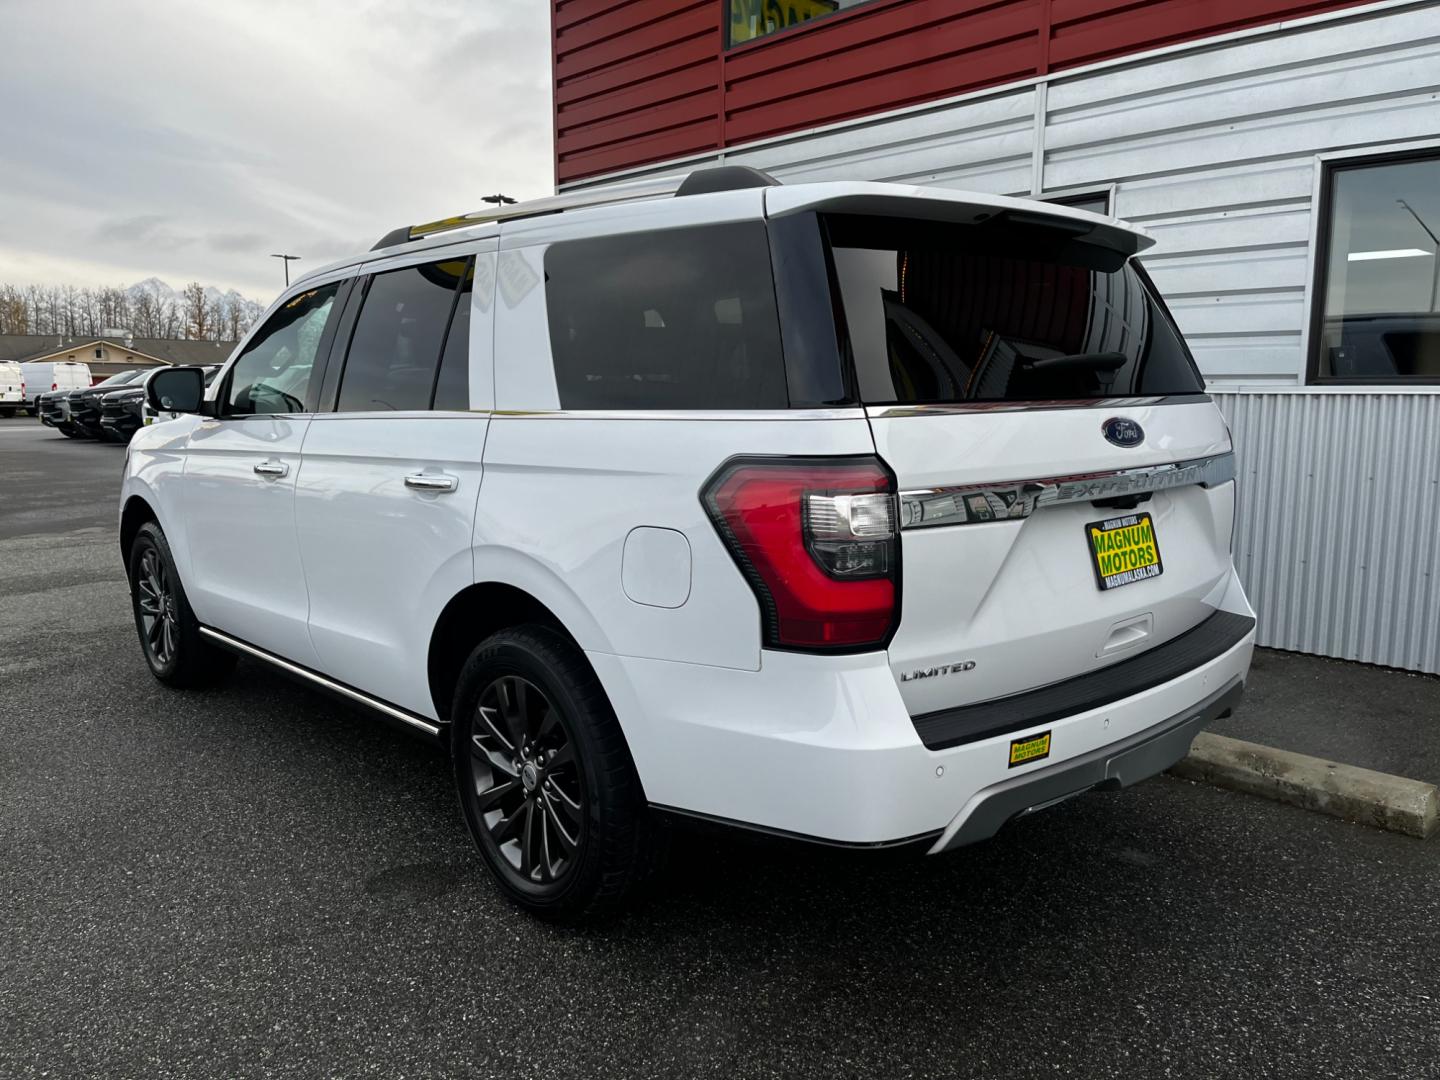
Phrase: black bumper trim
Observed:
(1118, 765)
(1214, 637)
(674, 815)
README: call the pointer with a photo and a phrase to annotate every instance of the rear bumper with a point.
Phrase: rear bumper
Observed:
(823, 748)
(1035, 708)
(1116, 766)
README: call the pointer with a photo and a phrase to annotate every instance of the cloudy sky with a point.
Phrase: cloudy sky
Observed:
(189, 140)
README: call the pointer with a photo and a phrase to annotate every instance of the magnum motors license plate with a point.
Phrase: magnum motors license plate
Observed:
(1123, 550)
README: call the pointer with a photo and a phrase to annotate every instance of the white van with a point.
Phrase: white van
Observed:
(42, 377)
(12, 388)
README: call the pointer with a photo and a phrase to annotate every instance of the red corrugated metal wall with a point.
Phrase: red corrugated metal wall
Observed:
(639, 81)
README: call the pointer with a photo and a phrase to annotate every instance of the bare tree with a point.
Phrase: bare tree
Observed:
(237, 320)
(67, 300)
(113, 306)
(14, 312)
(145, 314)
(89, 311)
(39, 305)
(197, 311)
(68, 311)
(169, 319)
(215, 318)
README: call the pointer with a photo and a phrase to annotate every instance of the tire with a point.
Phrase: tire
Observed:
(576, 780)
(169, 632)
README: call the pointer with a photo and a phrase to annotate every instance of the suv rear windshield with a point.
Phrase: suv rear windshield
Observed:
(940, 313)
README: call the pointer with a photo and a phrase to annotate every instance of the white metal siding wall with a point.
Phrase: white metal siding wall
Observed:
(1338, 523)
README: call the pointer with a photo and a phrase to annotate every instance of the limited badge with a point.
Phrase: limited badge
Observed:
(1031, 748)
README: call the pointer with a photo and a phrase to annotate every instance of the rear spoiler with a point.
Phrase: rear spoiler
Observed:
(956, 207)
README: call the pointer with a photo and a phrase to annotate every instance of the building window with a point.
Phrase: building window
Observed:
(751, 19)
(99, 354)
(1377, 312)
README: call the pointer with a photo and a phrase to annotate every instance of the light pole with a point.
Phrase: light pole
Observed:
(287, 260)
(1435, 270)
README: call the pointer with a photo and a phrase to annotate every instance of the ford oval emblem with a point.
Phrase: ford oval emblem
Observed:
(1123, 431)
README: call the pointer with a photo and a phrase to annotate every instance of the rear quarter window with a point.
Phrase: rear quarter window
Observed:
(679, 319)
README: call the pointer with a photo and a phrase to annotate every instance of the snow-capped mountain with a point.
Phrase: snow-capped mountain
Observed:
(163, 292)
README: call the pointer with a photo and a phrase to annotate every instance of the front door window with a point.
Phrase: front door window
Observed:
(273, 373)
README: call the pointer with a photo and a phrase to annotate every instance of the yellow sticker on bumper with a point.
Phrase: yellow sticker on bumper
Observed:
(1033, 748)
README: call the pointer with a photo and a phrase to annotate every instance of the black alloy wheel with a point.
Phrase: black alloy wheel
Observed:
(547, 785)
(177, 653)
(155, 602)
(527, 789)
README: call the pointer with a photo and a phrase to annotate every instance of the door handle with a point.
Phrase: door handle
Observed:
(271, 468)
(431, 482)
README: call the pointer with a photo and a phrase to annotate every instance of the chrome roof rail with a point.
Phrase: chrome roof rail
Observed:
(700, 182)
(554, 204)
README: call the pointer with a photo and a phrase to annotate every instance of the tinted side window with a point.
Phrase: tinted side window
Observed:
(452, 387)
(681, 319)
(273, 373)
(396, 344)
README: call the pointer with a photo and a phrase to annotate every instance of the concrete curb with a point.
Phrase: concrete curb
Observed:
(1371, 798)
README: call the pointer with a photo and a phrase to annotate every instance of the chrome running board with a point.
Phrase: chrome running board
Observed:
(429, 727)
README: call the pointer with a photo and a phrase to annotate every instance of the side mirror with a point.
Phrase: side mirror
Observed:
(178, 389)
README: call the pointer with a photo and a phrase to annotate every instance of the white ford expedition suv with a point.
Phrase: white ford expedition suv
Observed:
(862, 514)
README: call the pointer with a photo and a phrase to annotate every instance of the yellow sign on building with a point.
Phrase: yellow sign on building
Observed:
(750, 19)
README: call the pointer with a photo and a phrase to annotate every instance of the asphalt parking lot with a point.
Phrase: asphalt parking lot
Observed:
(258, 881)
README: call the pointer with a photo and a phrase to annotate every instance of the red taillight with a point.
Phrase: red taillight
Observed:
(53, 386)
(816, 539)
